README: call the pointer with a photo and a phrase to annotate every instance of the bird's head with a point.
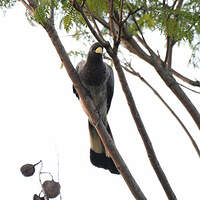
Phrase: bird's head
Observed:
(96, 51)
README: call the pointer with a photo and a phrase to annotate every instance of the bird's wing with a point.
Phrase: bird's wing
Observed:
(110, 86)
(79, 67)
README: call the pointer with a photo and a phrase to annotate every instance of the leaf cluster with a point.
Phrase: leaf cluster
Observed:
(178, 24)
(70, 17)
(43, 10)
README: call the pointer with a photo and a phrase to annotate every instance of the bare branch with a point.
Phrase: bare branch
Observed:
(144, 41)
(131, 44)
(132, 71)
(146, 140)
(127, 17)
(168, 57)
(94, 22)
(131, 12)
(185, 79)
(189, 88)
(101, 21)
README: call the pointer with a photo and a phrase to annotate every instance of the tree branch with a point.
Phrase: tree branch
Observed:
(168, 57)
(143, 39)
(189, 88)
(140, 126)
(101, 21)
(94, 22)
(185, 79)
(132, 71)
(111, 23)
(130, 43)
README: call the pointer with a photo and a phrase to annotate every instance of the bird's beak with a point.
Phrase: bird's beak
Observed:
(99, 50)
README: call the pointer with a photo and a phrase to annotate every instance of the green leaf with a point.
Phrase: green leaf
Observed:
(42, 12)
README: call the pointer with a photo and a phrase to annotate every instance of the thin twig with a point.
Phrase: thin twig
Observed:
(131, 12)
(144, 41)
(189, 88)
(101, 21)
(185, 79)
(94, 22)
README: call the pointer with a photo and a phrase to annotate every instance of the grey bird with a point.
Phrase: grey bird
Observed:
(98, 79)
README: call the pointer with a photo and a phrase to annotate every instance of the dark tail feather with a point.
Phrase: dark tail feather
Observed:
(97, 152)
(102, 161)
(98, 159)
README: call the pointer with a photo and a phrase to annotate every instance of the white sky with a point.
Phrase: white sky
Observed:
(40, 118)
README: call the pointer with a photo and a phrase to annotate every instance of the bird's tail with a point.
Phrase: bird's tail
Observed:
(98, 156)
